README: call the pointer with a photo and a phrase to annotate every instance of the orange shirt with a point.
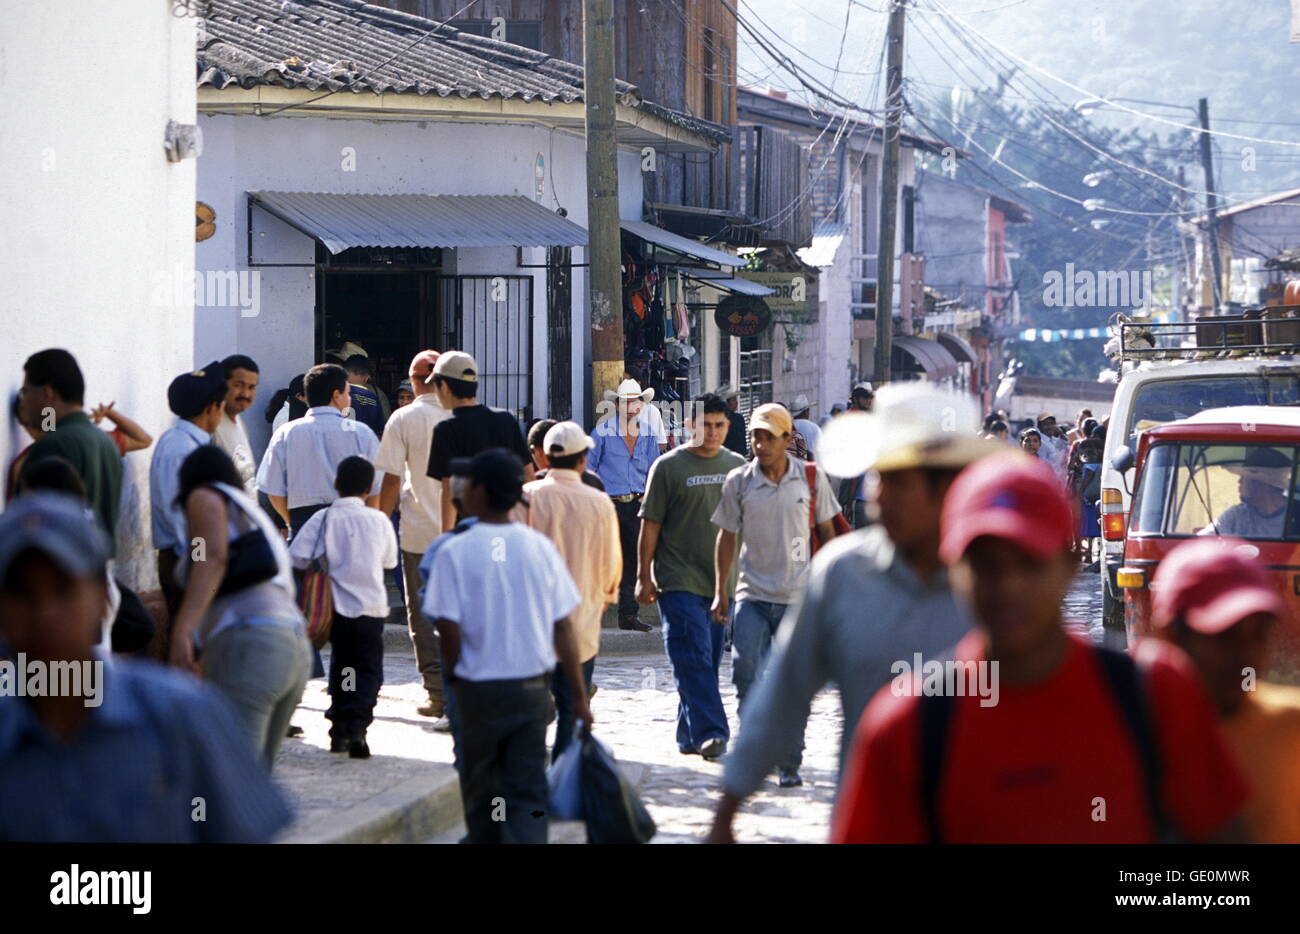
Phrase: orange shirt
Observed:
(1265, 733)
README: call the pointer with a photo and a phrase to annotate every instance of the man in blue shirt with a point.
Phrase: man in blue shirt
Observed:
(121, 751)
(366, 407)
(196, 399)
(621, 458)
(297, 471)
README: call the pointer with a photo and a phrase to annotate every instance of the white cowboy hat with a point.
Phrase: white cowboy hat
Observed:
(913, 424)
(628, 390)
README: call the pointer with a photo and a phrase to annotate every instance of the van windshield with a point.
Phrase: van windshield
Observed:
(1242, 490)
(1162, 401)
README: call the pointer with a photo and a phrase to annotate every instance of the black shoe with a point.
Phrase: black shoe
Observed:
(789, 778)
(634, 624)
(714, 748)
(357, 749)
(338, 744)
(293, 730)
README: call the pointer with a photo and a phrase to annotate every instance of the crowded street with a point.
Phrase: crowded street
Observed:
(774, 423)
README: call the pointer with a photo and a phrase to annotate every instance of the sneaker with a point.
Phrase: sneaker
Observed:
(357, 749)
(338, 744)
(441, 725)
(713, 748)
(634, 624)
(789, 778)
(431, 709)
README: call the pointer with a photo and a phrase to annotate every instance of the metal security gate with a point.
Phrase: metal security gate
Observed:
(491, 318)
(559, 331)
(755, 384)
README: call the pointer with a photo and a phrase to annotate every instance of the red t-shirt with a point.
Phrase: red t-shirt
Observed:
(1030, 768)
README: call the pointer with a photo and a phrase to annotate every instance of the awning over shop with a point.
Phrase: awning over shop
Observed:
(961, 351)
(683, 246)
(931, 357)
(723, 279)
(341, 221)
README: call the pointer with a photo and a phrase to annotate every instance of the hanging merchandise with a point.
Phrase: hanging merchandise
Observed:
(683, 317)
(670, 306)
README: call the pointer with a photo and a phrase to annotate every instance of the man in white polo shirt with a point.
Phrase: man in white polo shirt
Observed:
(500, 596)
(769, 504)
(403, 459)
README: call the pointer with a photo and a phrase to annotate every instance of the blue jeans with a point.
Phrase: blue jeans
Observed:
(694, 646)
(753, 629)
(564, 719)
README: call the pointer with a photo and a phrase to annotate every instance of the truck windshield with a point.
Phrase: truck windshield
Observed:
(1168, 400)
(1242, 490)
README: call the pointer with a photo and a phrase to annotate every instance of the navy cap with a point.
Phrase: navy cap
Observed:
(496, 469)
(57, 525)
(190, 393)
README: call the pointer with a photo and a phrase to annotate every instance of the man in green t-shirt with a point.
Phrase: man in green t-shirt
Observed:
(52, 397)
(675, 568)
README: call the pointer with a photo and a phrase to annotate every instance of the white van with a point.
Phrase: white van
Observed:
(1157, 392)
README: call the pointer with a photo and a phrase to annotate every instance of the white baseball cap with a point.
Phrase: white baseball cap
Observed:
(455, 364)
(565, 439)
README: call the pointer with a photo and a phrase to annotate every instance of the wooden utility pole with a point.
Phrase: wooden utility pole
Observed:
(605, 278)
(889, 194)
(1211, 207)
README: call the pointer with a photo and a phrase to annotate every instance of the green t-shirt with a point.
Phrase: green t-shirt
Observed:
(682, 491)
(94, 455)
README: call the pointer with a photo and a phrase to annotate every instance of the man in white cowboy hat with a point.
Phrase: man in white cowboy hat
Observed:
(800, 410)
(873, 597)
(625, 447)
(737, 438)
(651, 419)
(1263, 478)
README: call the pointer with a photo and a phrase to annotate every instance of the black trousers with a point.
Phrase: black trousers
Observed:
(629, 530)
(564, 719)
(356, 674)
(502, 734)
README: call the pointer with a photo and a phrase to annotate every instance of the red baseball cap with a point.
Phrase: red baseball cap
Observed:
(1213, 583)
(1012, 496)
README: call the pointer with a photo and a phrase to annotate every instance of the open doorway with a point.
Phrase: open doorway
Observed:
(392, 313)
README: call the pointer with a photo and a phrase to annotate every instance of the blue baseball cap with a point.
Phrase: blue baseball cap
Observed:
(57, 525)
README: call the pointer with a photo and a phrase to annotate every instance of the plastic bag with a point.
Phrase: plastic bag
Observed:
(564, 782)
(610, 805)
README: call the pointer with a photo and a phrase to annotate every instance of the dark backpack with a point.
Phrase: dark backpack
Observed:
(1123, 677)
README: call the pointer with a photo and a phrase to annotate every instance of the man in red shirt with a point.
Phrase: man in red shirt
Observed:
(1072, 744)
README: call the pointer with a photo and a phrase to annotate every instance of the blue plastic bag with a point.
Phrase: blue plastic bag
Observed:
(564, 781)
(611, 807)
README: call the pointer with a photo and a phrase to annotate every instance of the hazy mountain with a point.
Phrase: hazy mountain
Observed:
(1235, 53)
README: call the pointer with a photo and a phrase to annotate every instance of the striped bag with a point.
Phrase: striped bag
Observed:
(316, 594)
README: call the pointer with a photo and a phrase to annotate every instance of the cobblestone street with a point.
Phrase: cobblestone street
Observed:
(636, 709)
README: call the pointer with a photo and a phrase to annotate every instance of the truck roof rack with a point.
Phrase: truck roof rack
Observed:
(1269, 331)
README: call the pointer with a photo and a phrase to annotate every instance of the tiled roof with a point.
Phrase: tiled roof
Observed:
(346, 45)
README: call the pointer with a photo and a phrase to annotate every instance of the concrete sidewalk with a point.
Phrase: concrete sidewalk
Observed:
(407, 791)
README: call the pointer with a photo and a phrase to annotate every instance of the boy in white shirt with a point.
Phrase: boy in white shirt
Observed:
(500, 596)
(358, 544)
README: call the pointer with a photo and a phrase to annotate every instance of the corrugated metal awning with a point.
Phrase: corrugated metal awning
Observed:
(960, 350)
(341, 221)
(724, 280)
(679, 244)
(937, 362)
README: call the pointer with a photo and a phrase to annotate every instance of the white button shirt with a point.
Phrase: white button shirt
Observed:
(358, 543)
(406, 441)
(303, 456)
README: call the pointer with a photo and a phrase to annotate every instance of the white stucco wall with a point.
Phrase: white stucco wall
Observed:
(248, 153)
(92, 214)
